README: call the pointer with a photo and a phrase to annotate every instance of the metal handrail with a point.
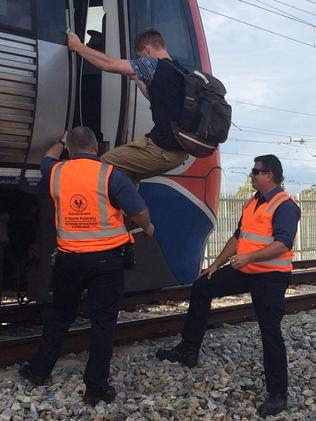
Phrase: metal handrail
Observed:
(72, 72)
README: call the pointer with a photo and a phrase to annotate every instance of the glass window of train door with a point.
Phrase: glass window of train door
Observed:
(166, 16)
(17, 15)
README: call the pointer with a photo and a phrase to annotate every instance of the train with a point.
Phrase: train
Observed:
(45, 89)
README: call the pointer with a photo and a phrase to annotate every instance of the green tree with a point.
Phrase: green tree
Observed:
(246, 189)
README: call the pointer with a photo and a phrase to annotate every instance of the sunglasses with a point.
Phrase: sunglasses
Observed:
(257, 171)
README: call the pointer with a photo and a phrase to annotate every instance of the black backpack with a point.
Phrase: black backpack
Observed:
(206, 117)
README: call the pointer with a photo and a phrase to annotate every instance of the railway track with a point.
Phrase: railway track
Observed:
(20, 349)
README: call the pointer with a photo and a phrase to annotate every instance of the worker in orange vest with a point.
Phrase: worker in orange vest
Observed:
(89, 197)
(260, 262)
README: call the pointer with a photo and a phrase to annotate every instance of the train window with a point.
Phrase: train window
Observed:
(17, 14)
(93, 35)
(166, 16)
(51, 21)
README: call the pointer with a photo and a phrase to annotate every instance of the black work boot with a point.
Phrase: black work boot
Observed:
(27, 373)
(92, 397)
(273, 405)
(185, 353)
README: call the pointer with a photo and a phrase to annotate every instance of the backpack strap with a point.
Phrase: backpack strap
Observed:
(171, 63)
(195, 72)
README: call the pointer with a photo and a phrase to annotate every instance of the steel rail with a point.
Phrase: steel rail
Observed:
(13, 313)
(21, 349)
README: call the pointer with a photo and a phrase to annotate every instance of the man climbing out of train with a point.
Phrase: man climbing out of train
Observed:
(260, 262)
(158, 152)
(88, 197)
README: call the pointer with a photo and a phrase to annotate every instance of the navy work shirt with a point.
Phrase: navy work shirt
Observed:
(122, 192)
(285, 218)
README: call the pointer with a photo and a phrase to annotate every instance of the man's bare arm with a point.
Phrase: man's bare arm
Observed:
(142, 219)
(142, 87)
(98, 59)
(224, 256)
(56, 150)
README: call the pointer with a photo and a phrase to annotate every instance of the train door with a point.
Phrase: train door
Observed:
(183, 203)
(104, 98)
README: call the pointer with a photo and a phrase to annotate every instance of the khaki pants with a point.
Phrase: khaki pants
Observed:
(143, 159)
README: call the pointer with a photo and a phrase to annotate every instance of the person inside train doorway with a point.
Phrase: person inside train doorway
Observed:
(91, 237)
(260, 262)
(158, 152)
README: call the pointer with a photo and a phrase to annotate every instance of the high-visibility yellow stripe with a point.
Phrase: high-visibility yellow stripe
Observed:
(256, 237)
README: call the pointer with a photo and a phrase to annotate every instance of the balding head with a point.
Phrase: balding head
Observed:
(82, 140)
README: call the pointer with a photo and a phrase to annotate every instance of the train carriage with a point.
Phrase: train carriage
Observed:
(45, 89)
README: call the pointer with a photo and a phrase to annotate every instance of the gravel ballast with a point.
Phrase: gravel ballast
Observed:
(228, 383)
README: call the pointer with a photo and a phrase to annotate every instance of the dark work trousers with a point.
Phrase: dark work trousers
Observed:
(267, 292)
(102, 274)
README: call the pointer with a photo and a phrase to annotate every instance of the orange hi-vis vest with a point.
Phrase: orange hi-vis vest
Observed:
(85, 219)
(256, 232)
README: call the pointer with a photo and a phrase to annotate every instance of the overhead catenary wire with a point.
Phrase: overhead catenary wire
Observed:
(271, 132)
(283, 158)
(259, 27)
(294, 7)
(286, 16)
(271, 108)
(276, 137)
(280, 10)
(282, 142)
(263, 129)
(258, 132)
(276, 142)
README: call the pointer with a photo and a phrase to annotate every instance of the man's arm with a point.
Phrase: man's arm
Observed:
(56, 150)
(52, 156)
(123, 192)
(98, 59)
(142, 219)
(224, 256)
(142, 87)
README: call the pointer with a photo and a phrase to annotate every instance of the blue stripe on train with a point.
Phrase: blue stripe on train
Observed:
(181, 229)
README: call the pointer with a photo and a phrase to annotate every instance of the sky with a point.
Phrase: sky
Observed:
(262, 70)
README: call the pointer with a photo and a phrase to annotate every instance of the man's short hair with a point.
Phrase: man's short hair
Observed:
(273, 164)
(81, 139)
(149, 36)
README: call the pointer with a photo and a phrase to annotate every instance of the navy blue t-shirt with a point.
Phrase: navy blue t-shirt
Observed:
(122, 192)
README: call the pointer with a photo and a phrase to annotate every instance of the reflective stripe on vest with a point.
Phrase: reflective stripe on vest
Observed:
(275, 204)
(256, 237)
(104, 231)
(275, 262)
(56, 184)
